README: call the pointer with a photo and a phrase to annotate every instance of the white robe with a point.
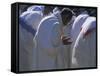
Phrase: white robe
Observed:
(76, 28)
(48, 44)
(85, 47)
(26, 40)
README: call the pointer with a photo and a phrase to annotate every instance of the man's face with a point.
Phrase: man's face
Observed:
(64, 20)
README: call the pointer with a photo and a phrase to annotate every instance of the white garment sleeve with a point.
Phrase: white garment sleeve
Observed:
(56, 35)
(56, 40)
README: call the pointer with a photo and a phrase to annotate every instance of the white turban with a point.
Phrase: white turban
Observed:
(36, 8)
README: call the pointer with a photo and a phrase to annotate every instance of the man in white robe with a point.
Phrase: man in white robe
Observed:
(67, 29)
(76, 28)
(28, 22)
(85, 45)
(67, 48)
(48, 41)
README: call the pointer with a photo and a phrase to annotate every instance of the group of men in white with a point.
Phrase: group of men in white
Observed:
(54, 38)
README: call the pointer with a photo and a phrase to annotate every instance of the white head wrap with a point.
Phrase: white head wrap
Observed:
(36, 8)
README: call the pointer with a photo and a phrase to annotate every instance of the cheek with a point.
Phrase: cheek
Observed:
(64, 19)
